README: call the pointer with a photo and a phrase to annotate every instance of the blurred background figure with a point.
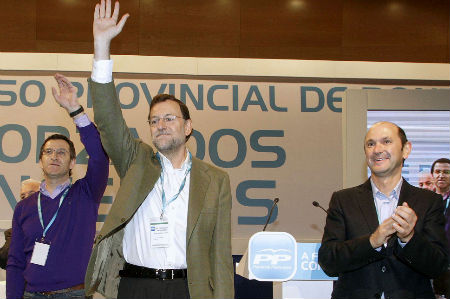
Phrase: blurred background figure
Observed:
(441, 174)
(27, 188)
(426, 181)
(440, 169)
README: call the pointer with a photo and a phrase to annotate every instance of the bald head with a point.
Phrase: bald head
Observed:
(386, 147)
(400, 131)
(28, 187)
(426, 181)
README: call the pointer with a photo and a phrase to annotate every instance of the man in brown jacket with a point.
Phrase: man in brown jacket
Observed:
(168, 233)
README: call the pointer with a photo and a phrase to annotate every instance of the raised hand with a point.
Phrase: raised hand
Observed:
(67, 96)
(106, 27)
(405, 220)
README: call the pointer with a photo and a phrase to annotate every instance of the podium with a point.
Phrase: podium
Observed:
(292, 266)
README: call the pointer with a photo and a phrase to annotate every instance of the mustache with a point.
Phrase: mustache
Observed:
(382, 155)
(161, 132)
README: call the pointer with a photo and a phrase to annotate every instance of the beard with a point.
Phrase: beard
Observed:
(168, 146)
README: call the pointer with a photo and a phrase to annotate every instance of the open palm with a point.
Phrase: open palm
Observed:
(67, 96)
(105, 25)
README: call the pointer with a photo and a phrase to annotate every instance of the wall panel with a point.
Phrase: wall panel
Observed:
(356, 30)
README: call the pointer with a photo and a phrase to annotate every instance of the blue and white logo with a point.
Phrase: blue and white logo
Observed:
(308, 265)
(272, 256)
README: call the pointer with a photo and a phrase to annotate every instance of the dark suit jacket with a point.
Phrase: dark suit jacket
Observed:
(208, 233)
(398, 272)
(4, 250)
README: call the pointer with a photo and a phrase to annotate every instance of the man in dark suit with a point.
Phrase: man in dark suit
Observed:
(384, 237)
(168, 233)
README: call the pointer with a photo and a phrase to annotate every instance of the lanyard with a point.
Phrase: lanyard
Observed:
(54, 216)
(163, 193)
(447, 201)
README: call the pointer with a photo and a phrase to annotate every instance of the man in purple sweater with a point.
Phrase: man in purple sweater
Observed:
(54, 229)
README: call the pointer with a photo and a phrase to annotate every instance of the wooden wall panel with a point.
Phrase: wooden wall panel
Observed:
(400, 29)
(206, 28)
(66, 26)
(291, 29)
(383, 30)
(18, 26)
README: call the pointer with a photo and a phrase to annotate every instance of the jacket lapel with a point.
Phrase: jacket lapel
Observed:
(405, 194)
(367, 205)
(197, 192)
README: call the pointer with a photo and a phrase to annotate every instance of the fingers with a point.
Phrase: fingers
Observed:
(55, 94)
(108, 9)
(387, 227)
(115, 15)
(122, 22)
(405, 220)
(401, 230)
(63, 82)
(97, 11)
(383, 233)
(406, 213)
(102, 9)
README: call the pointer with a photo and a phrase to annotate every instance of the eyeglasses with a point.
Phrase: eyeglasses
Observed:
(60, 152)
(438, 171)
(166, 120)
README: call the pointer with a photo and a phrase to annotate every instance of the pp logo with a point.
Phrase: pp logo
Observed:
(272, 256)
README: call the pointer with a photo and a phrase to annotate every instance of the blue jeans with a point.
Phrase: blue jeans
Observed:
(76, 294)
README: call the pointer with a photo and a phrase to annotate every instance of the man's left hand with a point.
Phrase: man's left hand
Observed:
(405, 220)
(67, 96)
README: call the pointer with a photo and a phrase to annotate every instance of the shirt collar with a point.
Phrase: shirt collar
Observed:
(56, 192)
(167, 165)
(394, 193)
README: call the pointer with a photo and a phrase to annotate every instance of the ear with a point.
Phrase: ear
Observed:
(187, 127)
(72, 163)
(407, 149)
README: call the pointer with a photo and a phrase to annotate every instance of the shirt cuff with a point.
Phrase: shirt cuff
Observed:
(82, 121)
(102, 71)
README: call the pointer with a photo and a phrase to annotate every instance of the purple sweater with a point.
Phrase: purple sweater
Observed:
(71, 235)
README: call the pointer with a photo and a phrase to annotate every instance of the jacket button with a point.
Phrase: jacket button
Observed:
(377, 295)
(383, 269)
(99, 237)
(123, 220)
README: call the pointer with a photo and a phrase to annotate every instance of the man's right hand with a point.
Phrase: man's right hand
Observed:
(383, 233)
(105, 28)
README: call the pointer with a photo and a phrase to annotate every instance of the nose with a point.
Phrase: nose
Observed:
(378, 147)
(161, 123)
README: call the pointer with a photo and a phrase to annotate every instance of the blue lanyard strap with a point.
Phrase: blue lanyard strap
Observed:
(163, 193)
(447, 201)
(54, 216)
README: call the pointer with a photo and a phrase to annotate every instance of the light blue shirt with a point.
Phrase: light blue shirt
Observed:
(386, 205)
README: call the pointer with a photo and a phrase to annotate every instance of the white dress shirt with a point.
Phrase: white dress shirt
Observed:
(137, 247)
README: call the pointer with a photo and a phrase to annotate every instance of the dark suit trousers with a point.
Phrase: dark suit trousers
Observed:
(150, 288)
